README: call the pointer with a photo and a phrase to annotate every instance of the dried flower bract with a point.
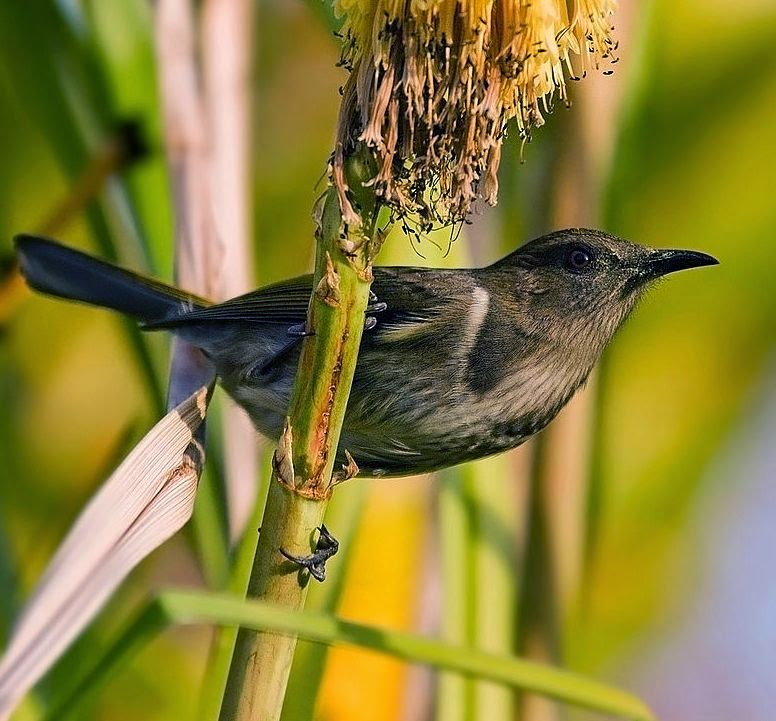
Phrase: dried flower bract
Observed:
(435, 82)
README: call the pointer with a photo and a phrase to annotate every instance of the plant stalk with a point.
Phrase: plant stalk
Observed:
(303, 463)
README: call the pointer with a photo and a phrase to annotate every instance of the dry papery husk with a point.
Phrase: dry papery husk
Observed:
(435, 82)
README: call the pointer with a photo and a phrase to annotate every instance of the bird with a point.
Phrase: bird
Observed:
(454, 364)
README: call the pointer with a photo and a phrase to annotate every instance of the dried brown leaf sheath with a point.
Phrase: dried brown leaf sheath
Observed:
(146, 500)
(434, 83)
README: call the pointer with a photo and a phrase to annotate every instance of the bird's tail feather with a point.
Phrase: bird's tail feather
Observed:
(57, 270)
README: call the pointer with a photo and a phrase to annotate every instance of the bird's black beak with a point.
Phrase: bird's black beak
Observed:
(662, 262)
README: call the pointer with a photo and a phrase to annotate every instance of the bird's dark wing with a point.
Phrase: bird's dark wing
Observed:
(412, 296)
(284, 303)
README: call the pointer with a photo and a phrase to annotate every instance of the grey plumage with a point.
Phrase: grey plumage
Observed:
(459, 365)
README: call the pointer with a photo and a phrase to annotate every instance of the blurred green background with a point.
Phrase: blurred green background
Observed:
(631, 544)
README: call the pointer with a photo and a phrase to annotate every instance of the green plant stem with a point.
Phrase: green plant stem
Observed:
(494, 587)
(455, 693)
(262, 661)
(225, 637)
(304, 461)
(343, 513)
(208, 528)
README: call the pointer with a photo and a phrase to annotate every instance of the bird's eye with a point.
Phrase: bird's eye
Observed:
(579, 259)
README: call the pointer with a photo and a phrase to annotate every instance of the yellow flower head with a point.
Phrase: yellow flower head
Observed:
(435, 82)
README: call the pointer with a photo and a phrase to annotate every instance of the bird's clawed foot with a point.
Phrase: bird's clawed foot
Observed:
(374, 306)
(315, 563)
(300, 331)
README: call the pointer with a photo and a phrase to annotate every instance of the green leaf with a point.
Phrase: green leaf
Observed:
(194, 607)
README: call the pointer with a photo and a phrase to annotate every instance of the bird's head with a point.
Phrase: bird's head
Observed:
(578, 285)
